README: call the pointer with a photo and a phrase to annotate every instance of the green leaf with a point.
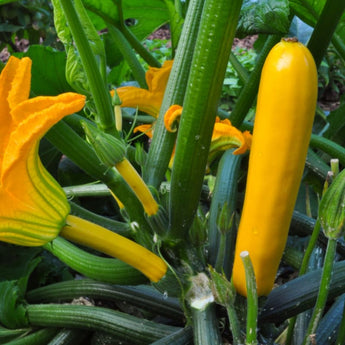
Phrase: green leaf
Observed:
(221, 287)
(17, 262)
(16, 265)
(12, 310)
(336, 120)
(307, 10)
(266, 16)
(6, 335)
(3, 2)
(48, 71)
(144, 15)
(6, 27)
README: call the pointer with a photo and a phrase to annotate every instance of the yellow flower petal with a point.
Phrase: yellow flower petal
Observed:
(172, 117)
(31, 119)
(33, 207)
(14, 87)
(148, 101)
(156, 78)
(226, 136)
(147, 129)
(144, 100)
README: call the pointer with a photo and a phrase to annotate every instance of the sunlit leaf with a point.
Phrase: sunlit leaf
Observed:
(142, 16)
(48, 70)
(268, 16)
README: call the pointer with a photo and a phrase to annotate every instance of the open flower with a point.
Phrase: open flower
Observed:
(147, 100)
(33, 207)
(224, 135)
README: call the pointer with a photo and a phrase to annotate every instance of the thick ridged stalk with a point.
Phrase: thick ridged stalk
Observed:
(300, 294)
(92, 266)
(101, 96)
(163, 141)
(224, 194)
(124, 326)
(218, 25)
(205, 326)
(141, 296)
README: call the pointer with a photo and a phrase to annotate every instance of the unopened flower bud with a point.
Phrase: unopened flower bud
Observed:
(332, 208)
(109, 149)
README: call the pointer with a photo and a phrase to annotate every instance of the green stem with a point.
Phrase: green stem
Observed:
(81, 153)
(252, 300)
(199, 110)
(328, 146)
(311, 245)
(92, 266)
(225, 193)
(249, 91)
(290, 330)
(324, 29)
(124, 326)
(175, 21)
(85, 190)
(139, 48)
(234, 325)
(240, 70)
(40, 337)
(300, 294)
(101, 96)
(120, 228)
(317, 165)
(163, 141)
(323, 291)
(339, 45)
(205, 326)
(141, 296)
(341, 330)
(69, 337)
(221, 253)
(303, 269)
(128, 54)
(181, 337)
(139, 118)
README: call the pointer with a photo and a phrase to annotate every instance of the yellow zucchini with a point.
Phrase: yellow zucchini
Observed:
(283, 123)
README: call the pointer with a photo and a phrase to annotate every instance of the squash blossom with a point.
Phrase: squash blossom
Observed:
(148, 101)
(224, 135)
(33, 207)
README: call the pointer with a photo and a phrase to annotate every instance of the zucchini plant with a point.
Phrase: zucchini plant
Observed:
(183, 222)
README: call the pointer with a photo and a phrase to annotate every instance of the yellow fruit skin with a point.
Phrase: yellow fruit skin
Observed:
(283, 123)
